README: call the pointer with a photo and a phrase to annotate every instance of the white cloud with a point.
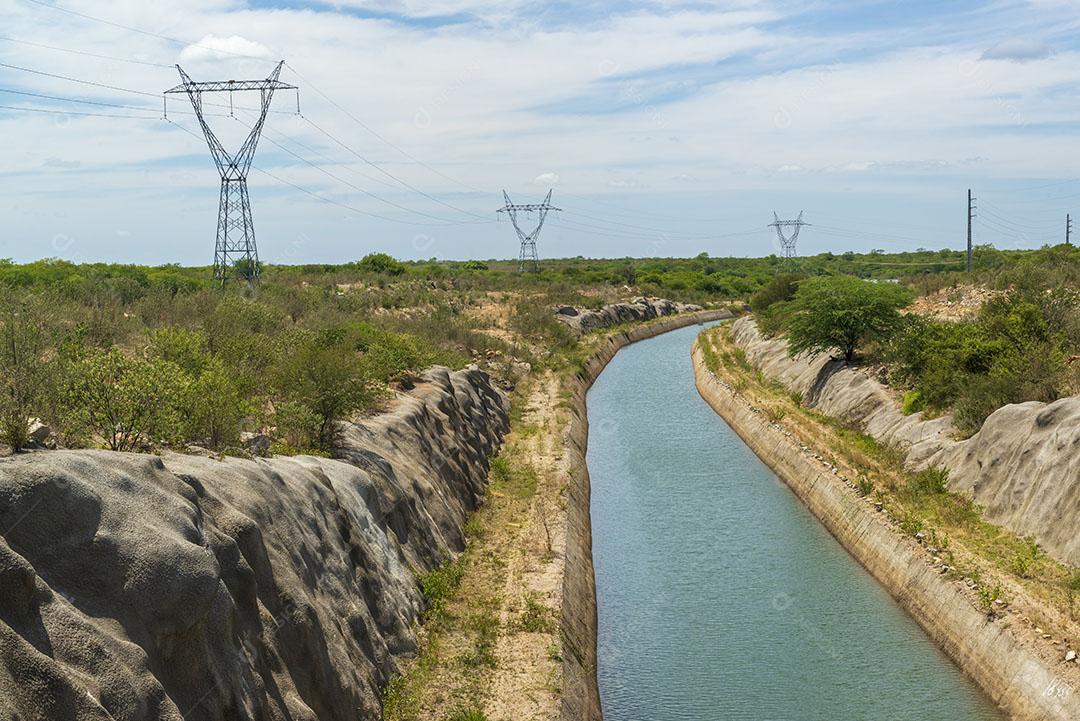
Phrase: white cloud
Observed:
(486, 100)
(213, 47)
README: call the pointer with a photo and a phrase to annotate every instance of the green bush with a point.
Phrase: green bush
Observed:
(929, 482)
(913, 403)
(216, 408)
(1015, 350)
(763, 303)
(126, 401)
(324, 374)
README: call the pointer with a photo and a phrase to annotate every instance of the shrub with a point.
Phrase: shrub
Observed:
(186, 348)
(928, 482)
(296, 425)
(127, 401)
(324, 374)
(864, 486)
(911, 524)
(769, 303)
(913, 403)
(475, 265)
(216, 407)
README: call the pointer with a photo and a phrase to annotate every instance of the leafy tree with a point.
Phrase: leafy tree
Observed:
(842, 312)
(216, 407)
(381, 263)
(474, 265)
(125, 400)
(187, 349)
(767, 303)
(324, 373)
(25, 325)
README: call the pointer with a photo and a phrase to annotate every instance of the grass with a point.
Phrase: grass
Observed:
(535, 617)
(439, 585)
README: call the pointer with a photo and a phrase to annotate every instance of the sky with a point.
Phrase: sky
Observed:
(664, 128)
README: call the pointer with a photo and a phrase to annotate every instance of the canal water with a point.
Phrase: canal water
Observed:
(719, 595)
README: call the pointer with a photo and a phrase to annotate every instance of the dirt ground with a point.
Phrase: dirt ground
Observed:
(496, 650)
(953, 304)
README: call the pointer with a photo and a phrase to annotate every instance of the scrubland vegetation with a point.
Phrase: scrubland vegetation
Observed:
(132, 357)
(1023, 344)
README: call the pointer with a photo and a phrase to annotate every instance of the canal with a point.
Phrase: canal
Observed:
(719, 595)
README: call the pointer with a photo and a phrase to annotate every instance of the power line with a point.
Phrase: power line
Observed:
(85, 53)
(78, 80)
(73, 112)
(641, 227)
(368, 193)
(82, 101)
(148, 33)
(389, 174)
(106, 86)
(380, 137)
(317, 196)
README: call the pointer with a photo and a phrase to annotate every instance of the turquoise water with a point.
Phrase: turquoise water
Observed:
(719, 595)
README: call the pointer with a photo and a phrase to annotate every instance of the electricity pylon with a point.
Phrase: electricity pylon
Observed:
(528, 257)
(234, 249)
(787, 243)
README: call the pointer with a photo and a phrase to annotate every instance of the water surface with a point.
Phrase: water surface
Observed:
(720, 596)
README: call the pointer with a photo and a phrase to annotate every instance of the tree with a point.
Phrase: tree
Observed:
(381, 263)
(323, 373)
(769, 302)
(24, 336)
(842, 312)
(215, 407)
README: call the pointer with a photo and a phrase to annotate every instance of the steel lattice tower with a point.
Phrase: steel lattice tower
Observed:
(787, 244)
(528, 258)
(234, 249)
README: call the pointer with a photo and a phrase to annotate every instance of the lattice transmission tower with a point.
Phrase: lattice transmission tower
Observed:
(528, 258)
(234, 250)
(787, 242)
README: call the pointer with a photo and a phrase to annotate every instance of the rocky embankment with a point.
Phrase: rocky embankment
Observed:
(581, 321)
(183, 587)
(1022, 467)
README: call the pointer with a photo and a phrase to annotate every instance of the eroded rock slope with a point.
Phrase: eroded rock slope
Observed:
(1022, 467)
(582, 321)
(143, 587)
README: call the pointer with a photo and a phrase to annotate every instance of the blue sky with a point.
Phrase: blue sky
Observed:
(665, 128)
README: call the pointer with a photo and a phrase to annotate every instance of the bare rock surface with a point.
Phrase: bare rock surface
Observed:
(582, 321)
(143, 587)
(1022, 467)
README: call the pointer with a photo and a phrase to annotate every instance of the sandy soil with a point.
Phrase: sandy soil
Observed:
(498, 649)
(527, 676)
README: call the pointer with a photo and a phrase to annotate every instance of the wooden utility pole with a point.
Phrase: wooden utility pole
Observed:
(971, 216)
